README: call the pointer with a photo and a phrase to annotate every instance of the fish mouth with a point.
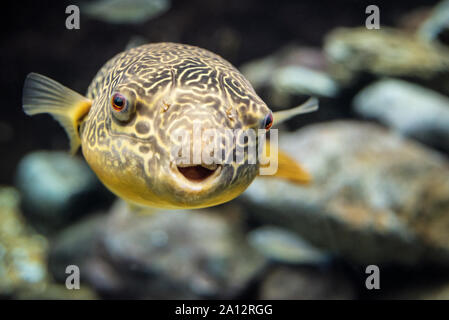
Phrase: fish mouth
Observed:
(200, 172)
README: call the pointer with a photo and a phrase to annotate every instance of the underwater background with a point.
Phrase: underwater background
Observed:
(377, 149)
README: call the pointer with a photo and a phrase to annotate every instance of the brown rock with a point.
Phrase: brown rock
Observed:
(305, 284)
(375, 198)
(174, 254)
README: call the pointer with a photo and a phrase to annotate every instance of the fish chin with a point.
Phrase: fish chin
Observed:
(200, 186)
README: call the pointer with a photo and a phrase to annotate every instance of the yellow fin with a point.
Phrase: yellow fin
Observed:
(309, 106)
(288, 168)
(44, 95)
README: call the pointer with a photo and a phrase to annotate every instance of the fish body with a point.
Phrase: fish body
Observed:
(138, 100)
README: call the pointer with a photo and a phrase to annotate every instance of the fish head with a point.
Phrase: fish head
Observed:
(178, 147)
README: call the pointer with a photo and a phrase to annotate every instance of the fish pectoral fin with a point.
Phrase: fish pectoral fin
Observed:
(288, 168)
(44, 95)
(310, 105)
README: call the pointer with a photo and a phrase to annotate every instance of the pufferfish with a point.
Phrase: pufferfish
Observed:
(125, 123)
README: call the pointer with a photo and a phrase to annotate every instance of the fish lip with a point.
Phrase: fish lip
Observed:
(197, 184)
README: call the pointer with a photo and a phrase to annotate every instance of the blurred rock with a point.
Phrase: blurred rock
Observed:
(22, 251)
(56, 188)
(383, 52)
(409, 108)
(108, 281)
(284, 246)
(306, 284)
(291, 71)
(173, 254)
(259, 72)
(300, 80)
(420, 291)
(75, 245)
(57, 292)
(375, 198)
(125, 11)
(436, 25)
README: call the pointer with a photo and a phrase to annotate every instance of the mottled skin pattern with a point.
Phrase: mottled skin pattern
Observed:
(171, 86)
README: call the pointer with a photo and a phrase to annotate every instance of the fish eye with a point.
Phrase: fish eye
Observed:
(118, 102)
(121, 107)
(268, 121)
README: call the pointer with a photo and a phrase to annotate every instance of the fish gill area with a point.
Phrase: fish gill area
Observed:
(378, 151)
